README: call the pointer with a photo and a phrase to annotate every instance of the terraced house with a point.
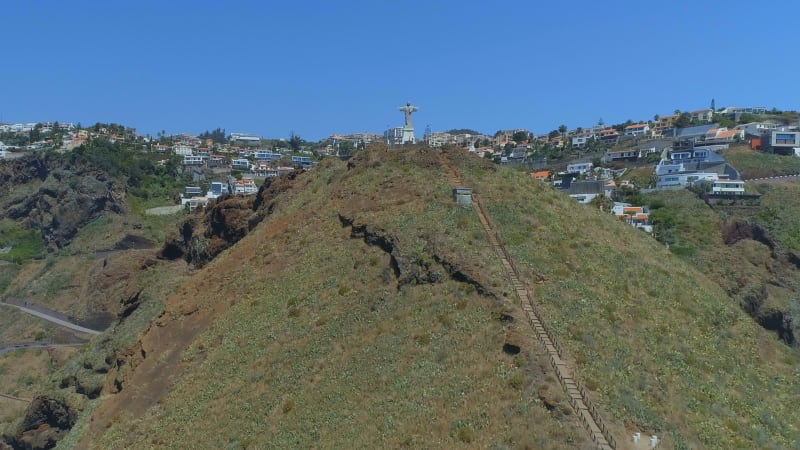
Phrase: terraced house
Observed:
(637, 129)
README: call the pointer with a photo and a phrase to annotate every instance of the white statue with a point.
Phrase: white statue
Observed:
(408, 109)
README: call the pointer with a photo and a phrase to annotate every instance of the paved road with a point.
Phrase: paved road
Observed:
(52, 319)
(10, 348)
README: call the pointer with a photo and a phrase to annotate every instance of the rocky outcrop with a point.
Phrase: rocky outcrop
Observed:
(46, 420)
(204, 235)
(431, 267)
(753, 298)
(61, 198)
(736, 230)
(208, 232)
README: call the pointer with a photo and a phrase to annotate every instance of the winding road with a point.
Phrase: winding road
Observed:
(55, 320)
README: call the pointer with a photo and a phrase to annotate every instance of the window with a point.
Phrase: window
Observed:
(784, 138)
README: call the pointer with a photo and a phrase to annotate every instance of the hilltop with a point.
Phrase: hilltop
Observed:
(356, 305)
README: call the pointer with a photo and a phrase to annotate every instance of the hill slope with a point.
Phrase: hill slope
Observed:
(367, 310)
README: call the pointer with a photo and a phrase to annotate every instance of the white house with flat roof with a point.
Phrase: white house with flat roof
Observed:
(727, 187)
(182, 150)
(244, 137)
(580, 168)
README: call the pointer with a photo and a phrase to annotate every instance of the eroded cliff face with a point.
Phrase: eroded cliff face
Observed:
(209, 231)
(754, 296)
(56, 196)
(47, 420)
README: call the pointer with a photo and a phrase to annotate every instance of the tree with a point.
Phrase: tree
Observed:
(683, 120)
(463, 131)
(602, 203)
(295, 142)
(520, 136)
(748, 118)
(723, 120)
(217, 136)
(562, 129)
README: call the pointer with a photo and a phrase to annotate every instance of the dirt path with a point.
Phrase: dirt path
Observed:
(579, 399)
(15, 399)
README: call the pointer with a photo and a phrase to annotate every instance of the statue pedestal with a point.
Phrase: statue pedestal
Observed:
(408, 136)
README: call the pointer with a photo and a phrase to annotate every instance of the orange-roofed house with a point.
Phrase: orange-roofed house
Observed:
(723, 136)
(244, 186)
(543, 175)
(608, 135)
(635, 216)
(637, 129)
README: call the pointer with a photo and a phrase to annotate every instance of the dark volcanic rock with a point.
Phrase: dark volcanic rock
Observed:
(208, 232)
(66, 196)
(46, 421)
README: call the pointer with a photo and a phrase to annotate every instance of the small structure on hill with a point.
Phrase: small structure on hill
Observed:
(462, 196)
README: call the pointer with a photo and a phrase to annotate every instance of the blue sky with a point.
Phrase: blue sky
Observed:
(323, 67)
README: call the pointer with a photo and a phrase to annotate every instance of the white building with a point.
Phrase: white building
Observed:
(684, 179)
(727, 187)
(183, 150)
(190, 160)
(757, 128)
(217, 189)
(580, 168)
(245, 138)
(240, 164)
(637, 129)
(245, 186)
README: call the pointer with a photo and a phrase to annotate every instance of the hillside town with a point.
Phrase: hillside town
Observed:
(592, 164)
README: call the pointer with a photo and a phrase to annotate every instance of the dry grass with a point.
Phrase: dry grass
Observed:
(755, 164)
(669, 350)
(319, 348)
(22, 374)
(306, 340)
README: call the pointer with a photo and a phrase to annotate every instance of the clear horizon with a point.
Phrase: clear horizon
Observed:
(318, 68)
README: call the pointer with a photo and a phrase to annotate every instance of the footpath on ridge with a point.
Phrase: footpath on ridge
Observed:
(577, 394)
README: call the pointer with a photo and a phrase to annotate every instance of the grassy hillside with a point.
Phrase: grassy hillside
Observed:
(71, 242)
(780, 212)
(754, 164)
(661, 344)
(368, 311)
